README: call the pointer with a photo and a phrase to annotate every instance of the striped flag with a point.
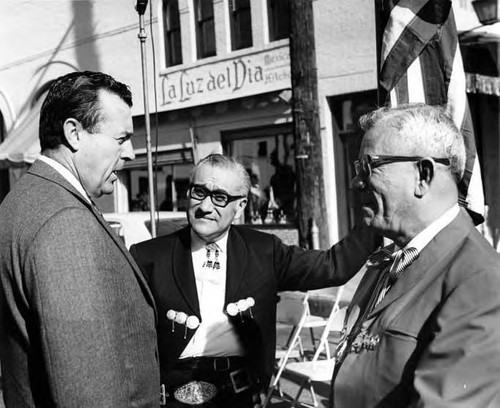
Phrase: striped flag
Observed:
(420, 61)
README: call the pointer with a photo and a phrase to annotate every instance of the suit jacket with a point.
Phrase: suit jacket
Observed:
(77, 318)
(438, 328)
(258, 265)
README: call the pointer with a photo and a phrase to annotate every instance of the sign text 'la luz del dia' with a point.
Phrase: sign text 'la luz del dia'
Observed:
(247, 75)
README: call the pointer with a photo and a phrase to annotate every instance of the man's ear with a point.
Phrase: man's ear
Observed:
(71, 129)
(425, 176)
(241, 207)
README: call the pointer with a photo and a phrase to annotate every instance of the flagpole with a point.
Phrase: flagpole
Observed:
(141, 8)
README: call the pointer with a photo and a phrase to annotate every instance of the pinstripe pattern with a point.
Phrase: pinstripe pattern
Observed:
(421, 62)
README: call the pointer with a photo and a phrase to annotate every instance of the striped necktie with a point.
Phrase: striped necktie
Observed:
(402, 259)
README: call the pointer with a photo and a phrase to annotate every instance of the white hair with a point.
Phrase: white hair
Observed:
(423, 130)
(219, 160)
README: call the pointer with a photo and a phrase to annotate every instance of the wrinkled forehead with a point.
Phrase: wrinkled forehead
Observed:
(217, 178)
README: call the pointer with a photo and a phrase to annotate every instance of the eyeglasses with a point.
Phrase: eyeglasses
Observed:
(219, 198)
(363, 167)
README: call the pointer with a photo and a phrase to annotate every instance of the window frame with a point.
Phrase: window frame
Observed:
(205, 29)
(240, 19)
(278, 12)
(172, 33)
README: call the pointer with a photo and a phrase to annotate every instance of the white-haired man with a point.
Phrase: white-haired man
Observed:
(422, 329)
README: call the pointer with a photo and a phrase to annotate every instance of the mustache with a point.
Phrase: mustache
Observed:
(199, 213)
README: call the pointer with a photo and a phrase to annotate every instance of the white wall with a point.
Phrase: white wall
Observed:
(346, 59)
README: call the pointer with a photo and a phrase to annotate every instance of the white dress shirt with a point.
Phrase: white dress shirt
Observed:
(63, 171)
(216, 335)
(420, 241)
(424, 237)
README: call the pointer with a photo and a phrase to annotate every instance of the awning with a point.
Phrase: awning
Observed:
(22, 144)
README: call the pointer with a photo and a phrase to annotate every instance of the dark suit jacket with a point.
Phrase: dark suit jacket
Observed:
(439, 329)
(77, 317)
(258, 265)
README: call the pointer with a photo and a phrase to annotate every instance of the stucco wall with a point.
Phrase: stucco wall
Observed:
(43, 40)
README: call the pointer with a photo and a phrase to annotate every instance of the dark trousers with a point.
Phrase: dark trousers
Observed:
(228, 374)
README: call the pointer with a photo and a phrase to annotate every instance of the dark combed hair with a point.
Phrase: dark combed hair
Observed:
(76, 95)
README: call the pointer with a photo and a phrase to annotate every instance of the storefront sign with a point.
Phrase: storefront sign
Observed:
(247, 75)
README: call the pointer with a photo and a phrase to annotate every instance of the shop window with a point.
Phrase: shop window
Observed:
(279, 19)
(268, 155)
(173, 169)
(205, 28)
(241, 24)
(173, 183)
(172, 33)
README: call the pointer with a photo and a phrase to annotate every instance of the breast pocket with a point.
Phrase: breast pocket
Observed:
(397, 354)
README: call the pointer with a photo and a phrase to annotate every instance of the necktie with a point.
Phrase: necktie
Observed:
(212, 261)
(381, 258)
(390, 265)
(402, 259)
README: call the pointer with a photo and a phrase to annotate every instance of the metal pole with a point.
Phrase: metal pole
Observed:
(142, 37)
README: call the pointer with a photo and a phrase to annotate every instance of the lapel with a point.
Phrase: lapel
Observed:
(236, 264)
(428, 264)
(183, 271)
(47, 172)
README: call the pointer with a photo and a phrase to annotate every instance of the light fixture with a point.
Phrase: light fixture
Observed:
(487, 11)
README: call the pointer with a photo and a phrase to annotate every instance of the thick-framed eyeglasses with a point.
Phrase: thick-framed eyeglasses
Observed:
(219, 198)
(364, 166)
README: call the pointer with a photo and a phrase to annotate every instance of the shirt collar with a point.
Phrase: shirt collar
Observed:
(70, 178)
(425, 236)
(197, 243)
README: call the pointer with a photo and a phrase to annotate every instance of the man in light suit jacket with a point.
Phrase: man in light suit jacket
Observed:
(423, 327)
(216, 285)
(77, 318)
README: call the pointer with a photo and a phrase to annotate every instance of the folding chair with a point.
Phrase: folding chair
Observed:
(295, 340)
(313, 322)
(290, 311)
(318, 369)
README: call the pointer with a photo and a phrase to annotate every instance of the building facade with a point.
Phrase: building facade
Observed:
(218, 80)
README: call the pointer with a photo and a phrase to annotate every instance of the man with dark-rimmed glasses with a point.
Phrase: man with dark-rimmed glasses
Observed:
(216, 285)
(422, 329)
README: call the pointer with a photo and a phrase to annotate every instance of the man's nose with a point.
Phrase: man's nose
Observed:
(206, 204)
(128, 150)
(357, 183)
